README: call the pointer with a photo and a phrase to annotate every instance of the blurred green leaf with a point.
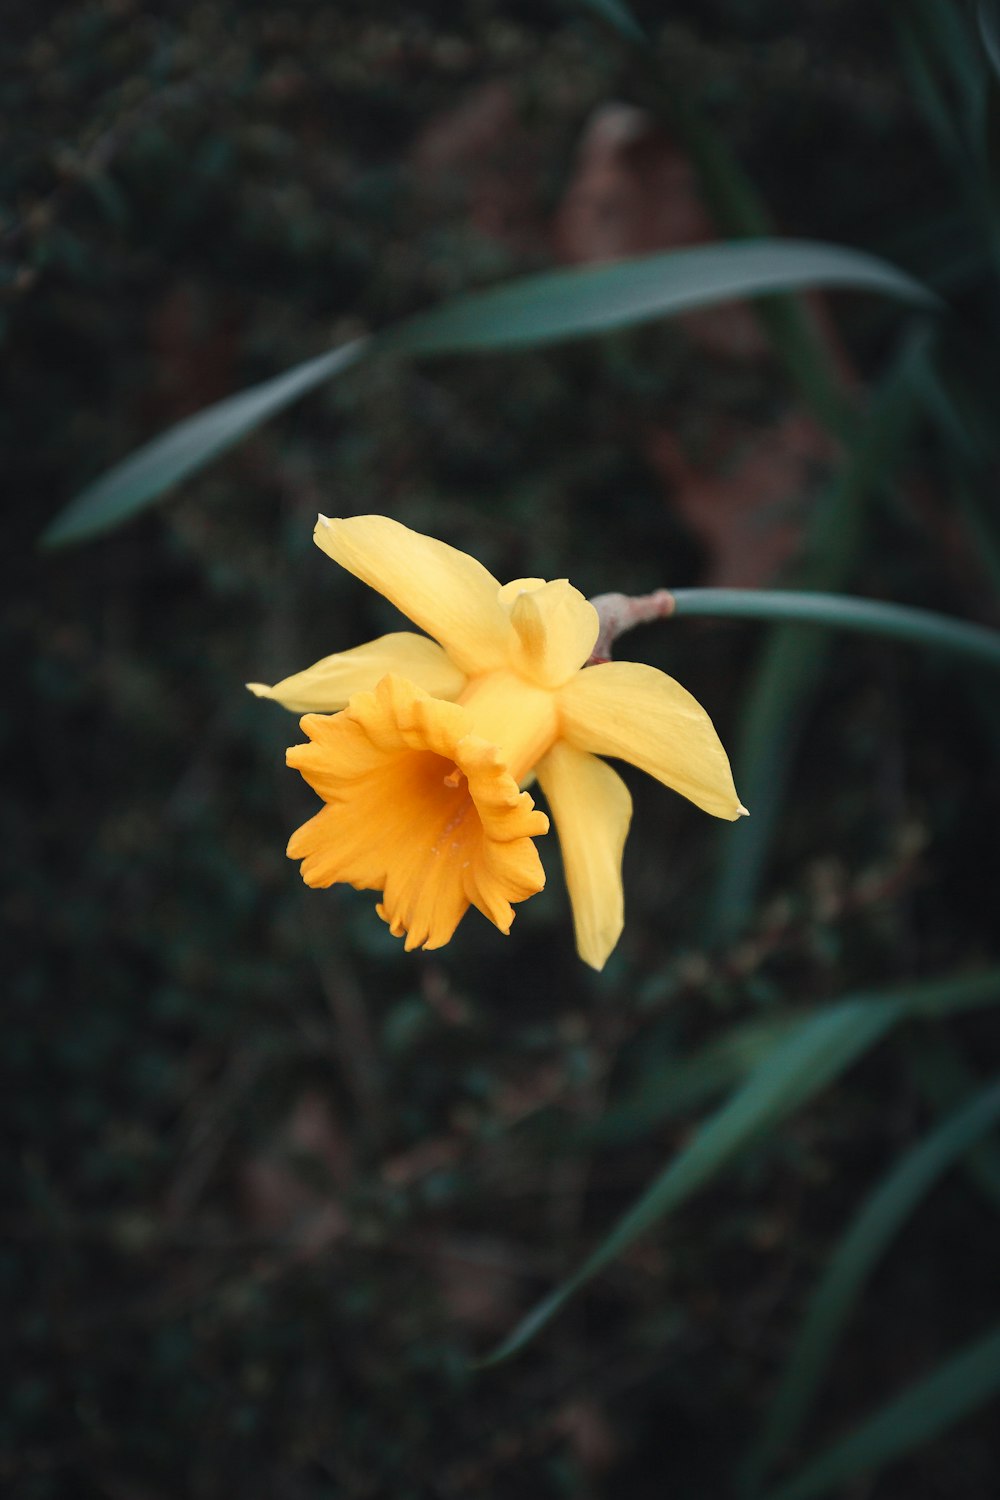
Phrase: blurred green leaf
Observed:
(989, 121)
(972, 506)
(989, 32)
(675, 1085)
(957, 91)
(943, 45)
(618, 15)
(790, 666)
(739, 212)
(790, 1074)
(951, 40)
(139, 480)
(945, 1079)
(109, 195)
(927, 87)
(882, 1216)
(529, 312)
(953, 1391)
(801, 344)
(556, 305)
(969, 456)
(950, 408)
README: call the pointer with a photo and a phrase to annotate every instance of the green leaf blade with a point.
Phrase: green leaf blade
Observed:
(586, 300)
(530, 312)
(880, 1219)
(813, 1055)
(944, 1078)
(989, 33)
(954, 1390)
(148, 473)
(794, 1070)
(791, 661)
(677, 1085)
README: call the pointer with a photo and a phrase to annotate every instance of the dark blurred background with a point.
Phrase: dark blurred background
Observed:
(276, 1183)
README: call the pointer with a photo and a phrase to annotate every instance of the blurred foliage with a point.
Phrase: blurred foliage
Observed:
(277, 1184)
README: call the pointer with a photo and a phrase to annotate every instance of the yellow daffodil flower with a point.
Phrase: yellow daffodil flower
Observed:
(419, 747)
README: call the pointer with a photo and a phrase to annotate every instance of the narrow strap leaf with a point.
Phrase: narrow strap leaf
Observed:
(557, 305)
(531, 311)
(882, 1216)
(679, 1084)
(791, 1073)
(944, 1078)
(140, 479)
(818, 1051)
(953, 1391)
(989, 32)
(791, 661)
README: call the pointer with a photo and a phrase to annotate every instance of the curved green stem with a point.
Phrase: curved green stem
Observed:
(843, 612)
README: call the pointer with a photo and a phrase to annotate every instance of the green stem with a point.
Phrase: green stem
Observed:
(843, 612)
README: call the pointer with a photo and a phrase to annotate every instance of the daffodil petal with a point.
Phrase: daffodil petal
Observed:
(444, 591)
(509, 592)
(636, 713)
(556, 628)
(592, 809)
(326, 686)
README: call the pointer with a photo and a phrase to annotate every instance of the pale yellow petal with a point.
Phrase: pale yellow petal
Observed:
(636, 713)
(591, 809)
(444, 591)
(555, 628)
(510, 591)
(326, 686)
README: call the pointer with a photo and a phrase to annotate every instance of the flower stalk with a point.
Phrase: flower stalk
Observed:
(921, 627)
